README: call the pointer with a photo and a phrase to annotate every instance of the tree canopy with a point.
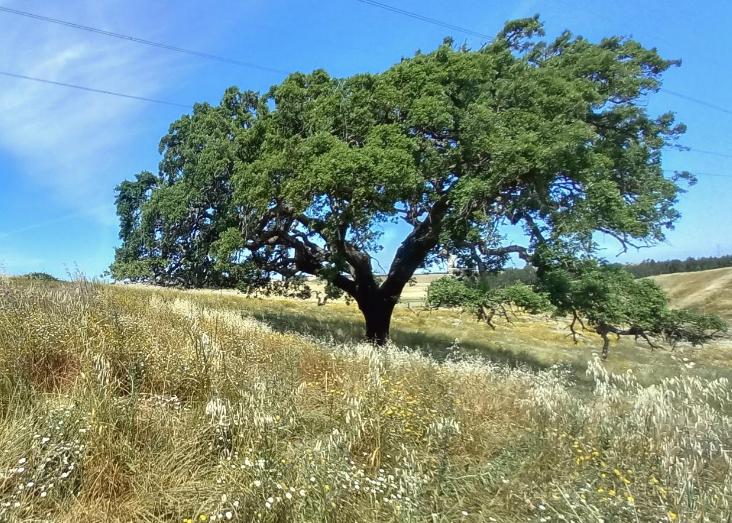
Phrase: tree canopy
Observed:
(549, 137)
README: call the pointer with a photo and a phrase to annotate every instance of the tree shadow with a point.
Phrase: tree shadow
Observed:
(340, 329)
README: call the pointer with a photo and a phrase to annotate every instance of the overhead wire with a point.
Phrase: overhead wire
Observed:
(704, 151)
(92, 89)
(696, 100)
(130, 38)
(429, 20)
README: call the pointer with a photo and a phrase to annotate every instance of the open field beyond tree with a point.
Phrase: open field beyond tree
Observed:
(705, 291)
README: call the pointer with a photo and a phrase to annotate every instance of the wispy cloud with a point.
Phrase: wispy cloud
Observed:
(64, 140)
(98, 210)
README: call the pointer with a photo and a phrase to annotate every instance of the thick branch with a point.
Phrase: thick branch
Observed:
(413, 250)
(604, 329)
(521, 251)
(359, 262)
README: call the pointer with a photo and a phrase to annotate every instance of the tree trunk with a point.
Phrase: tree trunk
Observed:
(605, 346)
(603, 330)
(377, 314)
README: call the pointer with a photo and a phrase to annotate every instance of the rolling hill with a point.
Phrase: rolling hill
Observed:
(705, 291)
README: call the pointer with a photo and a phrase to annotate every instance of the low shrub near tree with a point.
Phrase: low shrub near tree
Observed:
(605, 298)
(40, 276)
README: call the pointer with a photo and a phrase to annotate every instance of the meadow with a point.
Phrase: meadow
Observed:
(137, 404)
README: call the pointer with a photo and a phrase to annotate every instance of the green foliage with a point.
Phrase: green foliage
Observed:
(508, 276)
(604, 295)
(694, 327)
(40, 276)
(485, 303)
(606, 298)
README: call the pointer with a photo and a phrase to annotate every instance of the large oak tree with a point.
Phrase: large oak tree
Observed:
(548, 137)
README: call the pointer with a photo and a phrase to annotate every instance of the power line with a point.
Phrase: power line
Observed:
(719, 175)
(713, 153)
(427, 19)
(130, 38)
(93, 90)
(697, 100)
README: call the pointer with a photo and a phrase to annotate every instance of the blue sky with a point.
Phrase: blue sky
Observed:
(62, 151)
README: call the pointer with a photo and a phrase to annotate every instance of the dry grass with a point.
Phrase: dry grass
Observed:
(706, 291)
(122, 404)
(537, 342)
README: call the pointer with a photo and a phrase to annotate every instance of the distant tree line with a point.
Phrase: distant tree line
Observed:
(640, 270)
(654, 268)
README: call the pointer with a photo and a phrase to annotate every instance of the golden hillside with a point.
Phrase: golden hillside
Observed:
(705, 291)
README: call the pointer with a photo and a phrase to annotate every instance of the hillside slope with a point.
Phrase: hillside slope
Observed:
(706, 291)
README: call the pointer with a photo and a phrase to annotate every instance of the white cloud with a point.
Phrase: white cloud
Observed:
(65, 140)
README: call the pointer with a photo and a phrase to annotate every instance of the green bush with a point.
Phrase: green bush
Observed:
(40, 276)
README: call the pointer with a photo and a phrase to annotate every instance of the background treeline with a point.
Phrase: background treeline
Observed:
(654, 268)
(639, 270)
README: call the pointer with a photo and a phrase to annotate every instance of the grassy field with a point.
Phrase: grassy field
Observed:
(538, 342)
(132, 404)
(414, 293)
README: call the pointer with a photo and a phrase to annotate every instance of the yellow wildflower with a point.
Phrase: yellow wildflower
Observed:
(672, 516)
(631, 500)
(611, 493)
(203, 517)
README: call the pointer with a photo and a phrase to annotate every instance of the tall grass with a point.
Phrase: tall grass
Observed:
(137, 405)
